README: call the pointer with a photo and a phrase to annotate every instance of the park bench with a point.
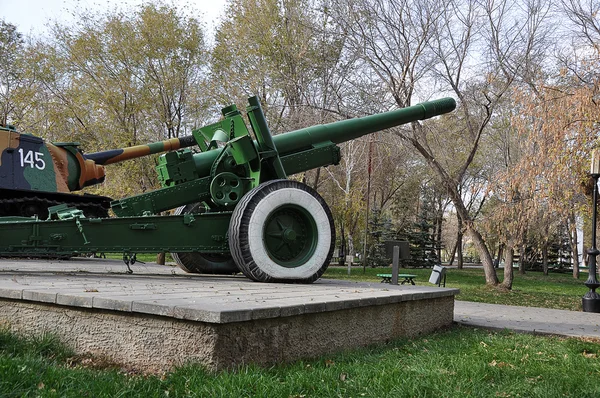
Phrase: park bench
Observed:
(387, 278)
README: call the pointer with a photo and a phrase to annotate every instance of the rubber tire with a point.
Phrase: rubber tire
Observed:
(200, 263)
(249, 219)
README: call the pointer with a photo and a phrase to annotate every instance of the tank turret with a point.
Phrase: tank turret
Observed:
(35, 174)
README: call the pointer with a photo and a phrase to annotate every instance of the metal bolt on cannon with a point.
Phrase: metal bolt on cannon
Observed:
(235, 210)
(591, 300)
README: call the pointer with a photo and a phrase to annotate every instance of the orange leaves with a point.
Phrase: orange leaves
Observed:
(549, 136)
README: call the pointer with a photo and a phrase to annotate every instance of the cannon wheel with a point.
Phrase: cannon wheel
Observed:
(282, 231)
(200, 263)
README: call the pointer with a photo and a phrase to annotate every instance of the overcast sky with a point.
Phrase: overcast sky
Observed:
(30, 16)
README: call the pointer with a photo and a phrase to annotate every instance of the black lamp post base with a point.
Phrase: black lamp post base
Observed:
(591, 302)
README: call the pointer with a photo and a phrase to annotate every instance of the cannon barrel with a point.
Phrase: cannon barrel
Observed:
(118, 155)
(350, 129)
(342, 131)
(91, 165)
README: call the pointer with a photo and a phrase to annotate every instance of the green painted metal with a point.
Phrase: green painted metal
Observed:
(295, 151)
(290, 236)
(297, 141)
(226, 188)
(230, 164)
(351, 129)
(320, 155)
(264, 140)
(184, 233)
(176, 168)
(164, 199)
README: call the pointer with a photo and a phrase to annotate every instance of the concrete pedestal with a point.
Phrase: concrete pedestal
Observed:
(160, 317)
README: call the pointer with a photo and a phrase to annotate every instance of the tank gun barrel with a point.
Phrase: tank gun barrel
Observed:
(118, 155)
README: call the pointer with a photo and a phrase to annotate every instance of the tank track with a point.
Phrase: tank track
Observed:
(29, 203)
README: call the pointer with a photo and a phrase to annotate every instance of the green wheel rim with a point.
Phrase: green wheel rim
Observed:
(290, 236)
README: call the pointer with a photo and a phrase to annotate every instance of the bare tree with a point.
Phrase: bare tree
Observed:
(474, 49)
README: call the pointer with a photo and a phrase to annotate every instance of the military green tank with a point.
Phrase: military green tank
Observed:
(35, 174)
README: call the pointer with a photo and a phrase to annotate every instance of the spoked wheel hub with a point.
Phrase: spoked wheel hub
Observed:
(290, 236)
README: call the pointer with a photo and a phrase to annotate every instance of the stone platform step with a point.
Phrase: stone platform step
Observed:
(161, 317)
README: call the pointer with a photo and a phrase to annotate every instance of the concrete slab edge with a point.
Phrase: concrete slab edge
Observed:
(220, 314)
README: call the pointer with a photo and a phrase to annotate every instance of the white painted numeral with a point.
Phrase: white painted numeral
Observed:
(33, 159)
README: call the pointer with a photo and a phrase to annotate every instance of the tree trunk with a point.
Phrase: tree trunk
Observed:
(438, 232)
(459, 252)
(500, 254)
(574, 243)
(522, 259)
(350, 245)
(453, 254)
(508, 268)
(545, 257)
(488, 265)
(342, 252)
(462, 212)
(459, 242)
(316, 180)
(575, 259)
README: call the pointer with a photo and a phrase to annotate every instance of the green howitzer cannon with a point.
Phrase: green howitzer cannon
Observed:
(235, 208)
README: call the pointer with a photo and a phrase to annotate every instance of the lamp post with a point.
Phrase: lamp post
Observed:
(591, 300)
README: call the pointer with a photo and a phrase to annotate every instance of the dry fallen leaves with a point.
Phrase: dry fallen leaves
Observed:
(501, 364)
(589, 354)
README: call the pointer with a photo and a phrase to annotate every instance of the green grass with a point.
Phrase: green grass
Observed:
(457, 362)
(558, 291)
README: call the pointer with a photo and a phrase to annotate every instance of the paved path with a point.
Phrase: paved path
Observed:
(528, 319)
